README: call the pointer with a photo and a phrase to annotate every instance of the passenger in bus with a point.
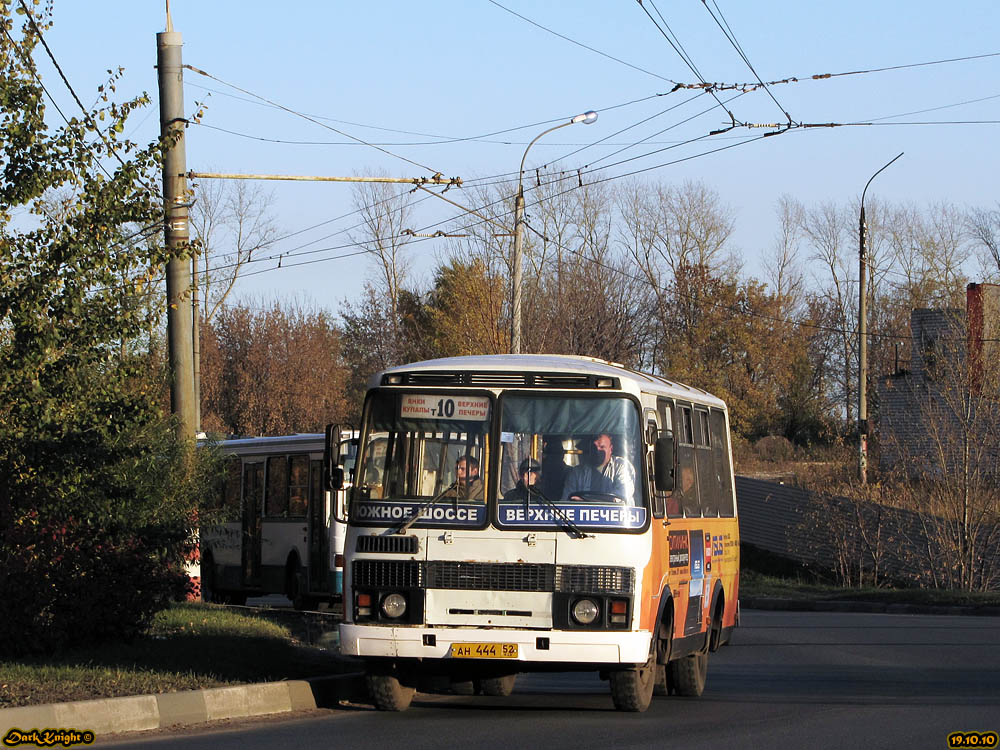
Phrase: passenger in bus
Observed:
(468, 485)
(602, 472)
(530, 473)
(553, 467)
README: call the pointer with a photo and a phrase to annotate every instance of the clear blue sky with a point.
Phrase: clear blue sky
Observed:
(450, 69)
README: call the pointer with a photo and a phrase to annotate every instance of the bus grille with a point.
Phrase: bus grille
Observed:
(405, 574)
(394, 544)
(490, 576)
(595, 579)
(589, 579)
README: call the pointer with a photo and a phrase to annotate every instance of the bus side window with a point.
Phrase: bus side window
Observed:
(298, 486)
(276, 500)
(229, 494)
(720, 456)
(667, 416)
(686, 483)
(708, 480)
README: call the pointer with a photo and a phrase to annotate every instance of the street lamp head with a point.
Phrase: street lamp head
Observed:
(587, 118)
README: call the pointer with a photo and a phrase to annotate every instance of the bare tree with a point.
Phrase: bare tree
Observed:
(385, 217)
(827, 229)
(984, 226)
(233, 224)
(782, 264)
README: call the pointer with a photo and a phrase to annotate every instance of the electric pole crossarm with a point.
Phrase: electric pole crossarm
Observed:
(435, 180)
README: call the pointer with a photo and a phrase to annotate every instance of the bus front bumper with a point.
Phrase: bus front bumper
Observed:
(543, 646)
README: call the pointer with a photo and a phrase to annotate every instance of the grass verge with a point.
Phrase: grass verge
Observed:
(188, 646)
(753, 583)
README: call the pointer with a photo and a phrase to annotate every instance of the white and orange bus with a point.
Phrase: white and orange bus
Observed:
(519, 513)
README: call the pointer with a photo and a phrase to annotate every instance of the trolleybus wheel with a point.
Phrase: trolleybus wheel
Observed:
(502, 686)
(208, 591)
(388, 694)
(632, 689)
(687, 675)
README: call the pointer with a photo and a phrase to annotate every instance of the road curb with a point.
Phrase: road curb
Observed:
(801, 605)
(144, 712)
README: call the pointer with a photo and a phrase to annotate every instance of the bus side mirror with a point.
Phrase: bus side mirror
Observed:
(663, 464)
(333, 472)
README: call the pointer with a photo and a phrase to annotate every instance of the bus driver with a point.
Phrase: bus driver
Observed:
(608, 474)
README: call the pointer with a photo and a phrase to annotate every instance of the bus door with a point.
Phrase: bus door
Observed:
(319, 538)
(253, 498)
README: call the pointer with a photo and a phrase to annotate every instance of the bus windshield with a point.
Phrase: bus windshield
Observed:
(570, 461)
(426, 455)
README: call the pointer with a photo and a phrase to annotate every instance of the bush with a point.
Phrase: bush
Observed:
(69, 583)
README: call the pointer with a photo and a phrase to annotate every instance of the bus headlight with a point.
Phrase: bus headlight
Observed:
(585, 611)
(394, 606)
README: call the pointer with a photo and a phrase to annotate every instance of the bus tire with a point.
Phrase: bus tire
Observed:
(660, 684)
(715, 634)
(293, 584)
(498, 686)
(688, 674)
(388, 694)
(632, 689)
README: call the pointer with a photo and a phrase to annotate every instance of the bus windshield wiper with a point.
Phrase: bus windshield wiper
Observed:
(403, 526)
(580, 533)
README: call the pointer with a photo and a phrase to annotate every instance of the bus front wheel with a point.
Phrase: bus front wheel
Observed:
(388, 694)
(499, 686)
(632, 689)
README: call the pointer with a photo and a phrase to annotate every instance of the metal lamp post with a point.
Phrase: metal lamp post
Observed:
(863, 339)
(515, 328)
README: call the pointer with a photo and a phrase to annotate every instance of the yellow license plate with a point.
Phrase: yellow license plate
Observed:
(484, 650)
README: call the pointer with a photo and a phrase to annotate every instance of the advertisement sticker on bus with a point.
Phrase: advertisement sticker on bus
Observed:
(437, 407)
(697, 562)
(680, 554)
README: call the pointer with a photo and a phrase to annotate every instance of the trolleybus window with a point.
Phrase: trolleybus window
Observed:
(276, 502)
(298, 485)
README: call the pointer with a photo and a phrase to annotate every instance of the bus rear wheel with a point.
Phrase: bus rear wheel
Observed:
(632, 689)
(208, 591)
(388, 694)
(688, 674)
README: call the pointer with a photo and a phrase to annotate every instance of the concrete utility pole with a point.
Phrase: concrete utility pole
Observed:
(863, 339)
(176, 233)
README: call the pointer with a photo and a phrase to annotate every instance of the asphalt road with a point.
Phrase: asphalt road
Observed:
(789, 680)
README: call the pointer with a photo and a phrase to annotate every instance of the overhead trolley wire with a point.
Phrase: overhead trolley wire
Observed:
(580, 44)
(312, 119)
(728, 33)
(679, 49)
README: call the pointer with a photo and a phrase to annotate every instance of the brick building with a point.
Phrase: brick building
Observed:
(940, 414)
